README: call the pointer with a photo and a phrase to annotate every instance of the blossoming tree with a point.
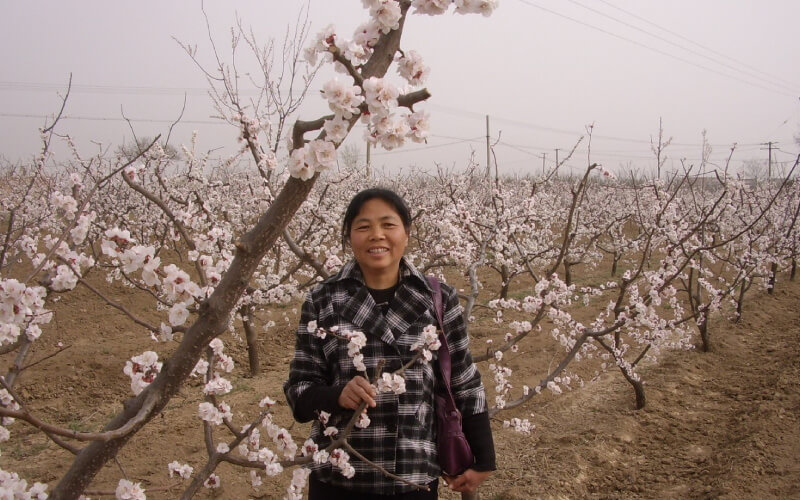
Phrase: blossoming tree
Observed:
(199, 302)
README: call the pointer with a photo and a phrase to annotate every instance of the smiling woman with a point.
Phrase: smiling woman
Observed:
(377, 227)
(367, 323)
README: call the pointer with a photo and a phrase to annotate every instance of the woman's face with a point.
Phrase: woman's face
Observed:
(378, 239)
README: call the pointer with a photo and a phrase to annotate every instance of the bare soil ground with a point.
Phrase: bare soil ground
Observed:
(723, 424)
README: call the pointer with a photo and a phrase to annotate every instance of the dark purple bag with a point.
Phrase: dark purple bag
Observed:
(455, 455)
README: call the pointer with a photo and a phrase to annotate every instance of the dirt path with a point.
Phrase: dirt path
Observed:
(724, 424)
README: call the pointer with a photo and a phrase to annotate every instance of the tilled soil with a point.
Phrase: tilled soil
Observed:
(719, 424)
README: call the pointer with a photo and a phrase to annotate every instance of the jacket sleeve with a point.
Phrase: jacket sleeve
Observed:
(465, 380)
(308, 389)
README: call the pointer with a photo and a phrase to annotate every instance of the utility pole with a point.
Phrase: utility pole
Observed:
(544, 157)
(488, 168)
(769, 161)
(557, 175)
(368, 160)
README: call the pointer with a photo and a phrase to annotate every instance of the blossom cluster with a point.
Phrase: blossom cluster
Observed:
(315, 156)
(215, 415)
(128, 490)
(216, 384)
(521, 425)
(142, 370)
(298, 483)
(177, 469)
(13, 486)
(435, 7)
(356, 340)
(22, 310)
(391, 382)
(427, 343)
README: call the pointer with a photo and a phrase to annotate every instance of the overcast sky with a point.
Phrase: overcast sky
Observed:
(541, 69)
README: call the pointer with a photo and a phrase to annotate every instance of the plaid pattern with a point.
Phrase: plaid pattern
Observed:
(401, 437)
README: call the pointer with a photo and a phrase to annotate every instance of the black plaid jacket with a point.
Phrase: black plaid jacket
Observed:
(401, 437)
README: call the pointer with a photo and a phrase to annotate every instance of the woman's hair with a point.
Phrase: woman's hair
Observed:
(387, 195)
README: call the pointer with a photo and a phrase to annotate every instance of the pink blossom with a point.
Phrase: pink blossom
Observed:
(363, 421)
(298, 166)
(178, 469)
(336, 128)
(343, 99)
(367, 34)
(430, 7)
(411, 67)
(178, 314)
(142, 370)
(387, 14)
(320, 155)
(419, 125)
(127, 490)
(484, 7)
(380, 95)
(212, 482)
(217, 386)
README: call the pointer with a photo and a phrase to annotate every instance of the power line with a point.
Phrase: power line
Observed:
(749, 74)
(111, 89)
(414, 150)
(457, 140)
(572, 133)
(696, 43)
(659, 51)
(113, 119)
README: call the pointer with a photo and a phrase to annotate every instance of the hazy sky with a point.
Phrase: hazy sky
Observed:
(541, 69)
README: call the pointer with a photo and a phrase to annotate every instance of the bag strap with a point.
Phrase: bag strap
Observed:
(445, 365)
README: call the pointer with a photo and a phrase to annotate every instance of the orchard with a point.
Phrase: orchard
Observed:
(565, 280)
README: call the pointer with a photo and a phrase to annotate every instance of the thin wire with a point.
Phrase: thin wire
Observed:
(794, 89)
(104, 119)
(110, 89)
(572, 133)
(696, 43)
(659, 51)
(413, 150)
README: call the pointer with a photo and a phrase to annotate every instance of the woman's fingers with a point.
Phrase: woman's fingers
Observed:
(356, 391)
(466, 482)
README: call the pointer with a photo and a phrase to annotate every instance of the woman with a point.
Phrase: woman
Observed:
(382, 295)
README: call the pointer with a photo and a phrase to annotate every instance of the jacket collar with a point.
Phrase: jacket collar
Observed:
(351, 271)
(412, 299)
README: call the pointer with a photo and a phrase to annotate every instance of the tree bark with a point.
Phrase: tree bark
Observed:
(773, 272)
(638, 389)
(213, 320)
(505, 280)
(705, 338)
(252, 342)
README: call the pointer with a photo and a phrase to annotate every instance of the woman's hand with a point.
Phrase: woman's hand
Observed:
(468, 481)
(357, 390)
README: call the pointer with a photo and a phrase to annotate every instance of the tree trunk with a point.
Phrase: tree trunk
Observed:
(212, 321)
(505, 280)
(773, 271)
(252, 341)
(638, 389)
(740, 301)
(567, 273)
(705, 340)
